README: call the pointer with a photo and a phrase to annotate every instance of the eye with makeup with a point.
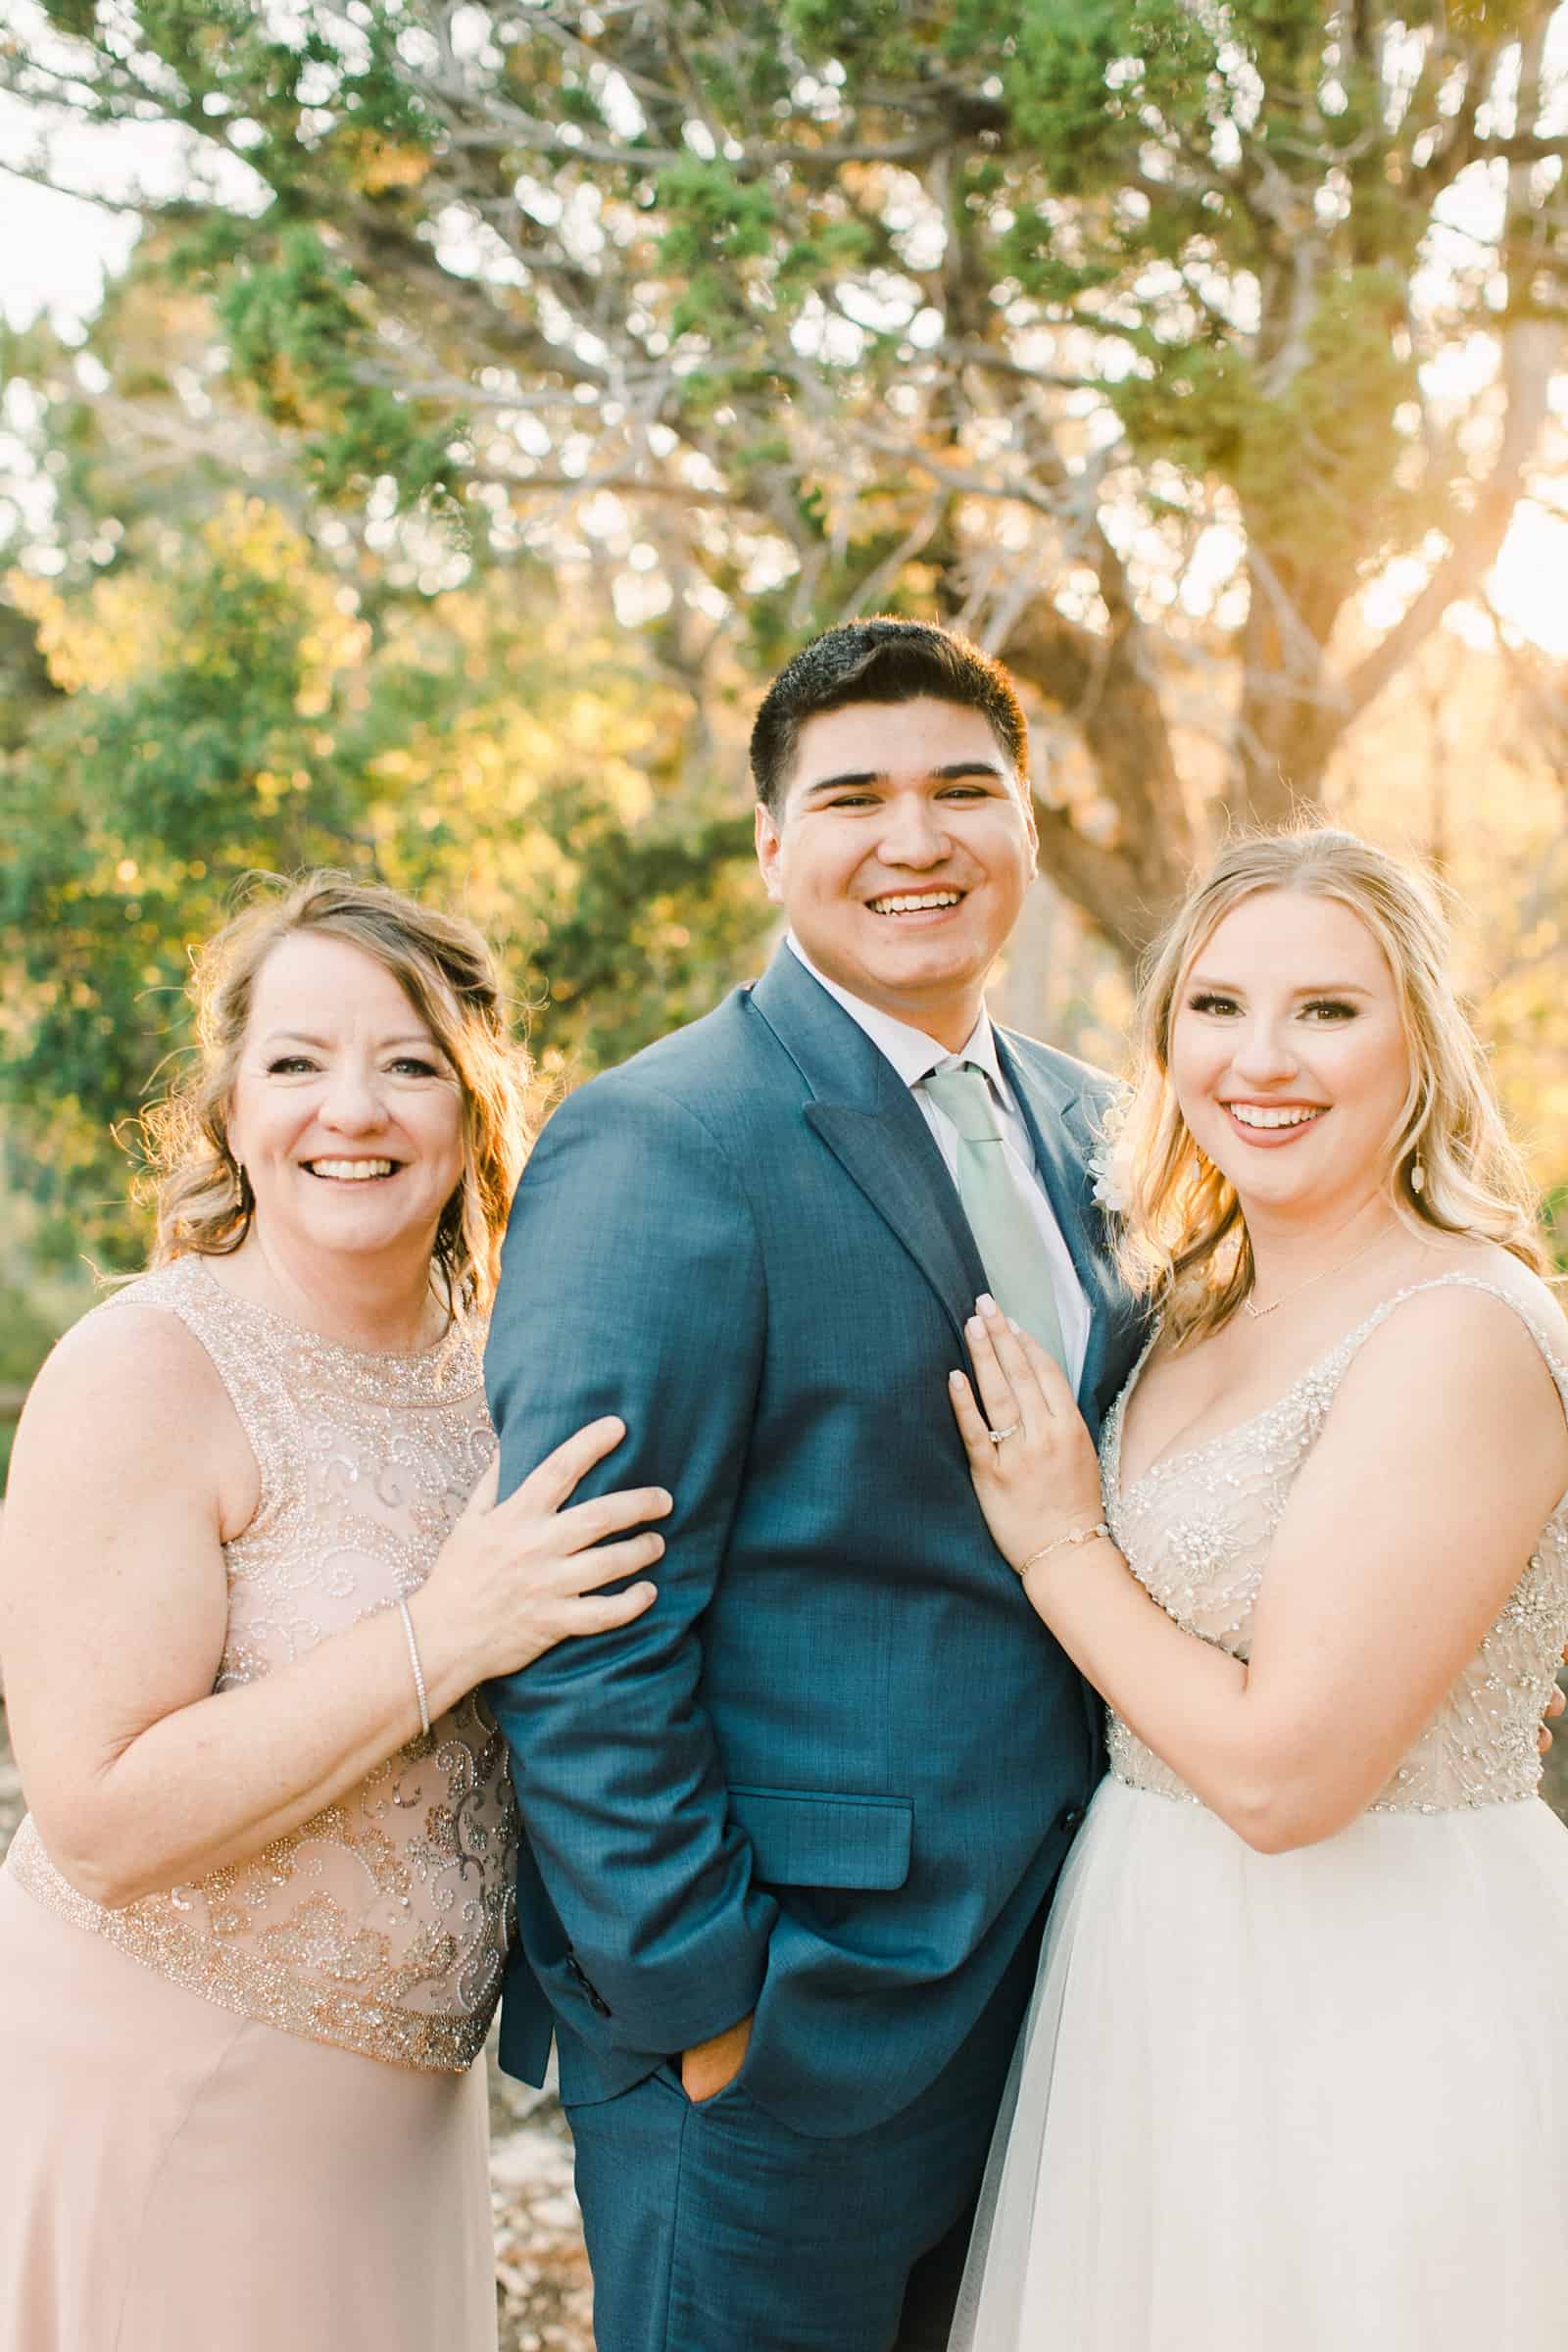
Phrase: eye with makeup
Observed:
(1318, 1009)
(1328, 1009)
(288, 1065)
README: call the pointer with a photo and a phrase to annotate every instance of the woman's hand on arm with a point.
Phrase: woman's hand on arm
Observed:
(130, 1471)
(1409, 1525)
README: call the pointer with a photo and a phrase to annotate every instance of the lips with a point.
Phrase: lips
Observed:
(904, 903)
(350, 1171)
(1271, 1124)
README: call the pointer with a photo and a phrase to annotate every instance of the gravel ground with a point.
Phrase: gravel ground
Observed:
(543, 2291)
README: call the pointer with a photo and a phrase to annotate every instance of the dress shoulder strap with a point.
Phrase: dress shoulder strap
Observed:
(1353, 1341)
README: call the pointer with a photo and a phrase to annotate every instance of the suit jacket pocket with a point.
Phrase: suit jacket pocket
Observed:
(813, 1837)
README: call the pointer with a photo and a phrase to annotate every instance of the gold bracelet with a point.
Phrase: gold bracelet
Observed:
(1080, 1535)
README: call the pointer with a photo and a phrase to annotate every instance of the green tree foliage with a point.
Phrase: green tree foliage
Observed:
(235, 712)
(1120, 331)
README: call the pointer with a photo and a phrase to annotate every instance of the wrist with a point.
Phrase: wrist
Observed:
(1069, 1540)
(449, 1672)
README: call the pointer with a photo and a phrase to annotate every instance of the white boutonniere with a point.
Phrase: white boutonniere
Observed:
(1109, 1162)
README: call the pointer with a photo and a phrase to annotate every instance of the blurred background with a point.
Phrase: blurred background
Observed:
(425, 428)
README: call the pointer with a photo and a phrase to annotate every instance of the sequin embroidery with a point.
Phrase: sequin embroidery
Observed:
(382, 1924)
(1196, 1529)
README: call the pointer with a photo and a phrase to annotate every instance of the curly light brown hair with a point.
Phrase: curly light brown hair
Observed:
(202, 1197)
(1185, 1242)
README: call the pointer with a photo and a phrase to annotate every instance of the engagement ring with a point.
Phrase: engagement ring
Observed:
(997, 1435)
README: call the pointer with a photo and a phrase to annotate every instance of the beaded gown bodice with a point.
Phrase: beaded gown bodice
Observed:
(381, 1924)
(1196, 1529)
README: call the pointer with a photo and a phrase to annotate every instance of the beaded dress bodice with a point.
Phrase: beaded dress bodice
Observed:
(1196, 1529)
(381, 1924)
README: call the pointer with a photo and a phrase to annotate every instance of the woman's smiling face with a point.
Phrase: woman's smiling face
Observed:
(346, 1115)
(1288, 1055)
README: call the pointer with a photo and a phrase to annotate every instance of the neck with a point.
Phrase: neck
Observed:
(382, 1301)
(1290, 1251)
(951, 1029)
(947, 1016)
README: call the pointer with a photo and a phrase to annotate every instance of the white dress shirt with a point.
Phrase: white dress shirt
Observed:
(915, 1056)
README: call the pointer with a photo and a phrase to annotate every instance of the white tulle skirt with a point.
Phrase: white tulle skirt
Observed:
(1305, 2102)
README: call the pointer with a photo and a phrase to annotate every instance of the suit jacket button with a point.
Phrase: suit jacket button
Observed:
(590, 1991)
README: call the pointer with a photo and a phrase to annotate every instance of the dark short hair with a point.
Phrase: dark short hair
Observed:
(880, 661)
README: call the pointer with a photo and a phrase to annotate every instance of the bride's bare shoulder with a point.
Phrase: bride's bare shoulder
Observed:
(1540, 1299)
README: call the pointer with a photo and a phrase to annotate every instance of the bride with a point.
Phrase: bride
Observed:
(1297, 2065)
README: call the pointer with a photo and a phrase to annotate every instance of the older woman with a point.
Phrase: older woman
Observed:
(253, 1931)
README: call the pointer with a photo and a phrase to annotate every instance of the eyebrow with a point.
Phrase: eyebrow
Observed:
(1320, 988)
(953, 774)
(324, 1045)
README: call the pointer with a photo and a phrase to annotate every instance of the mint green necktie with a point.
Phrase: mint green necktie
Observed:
(999, 1217)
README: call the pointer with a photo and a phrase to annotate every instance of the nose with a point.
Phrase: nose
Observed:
(352, 1103)
(1264, 1055)
(913, 833)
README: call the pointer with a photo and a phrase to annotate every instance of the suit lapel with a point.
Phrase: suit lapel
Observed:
(869, 1119)
(900, 1170)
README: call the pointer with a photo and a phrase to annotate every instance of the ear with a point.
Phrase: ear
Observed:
(1026, 799)
(769, 848)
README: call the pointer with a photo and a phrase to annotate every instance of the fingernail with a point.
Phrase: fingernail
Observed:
(986, 1304)
(974, 1324)
(954, 1379)
(1012, 1326)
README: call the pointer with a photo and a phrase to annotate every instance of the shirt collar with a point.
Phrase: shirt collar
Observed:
(912, 1053)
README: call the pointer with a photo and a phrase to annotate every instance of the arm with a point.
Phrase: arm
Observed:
(633, 1284)
(114, 1604)
(1380, 1588)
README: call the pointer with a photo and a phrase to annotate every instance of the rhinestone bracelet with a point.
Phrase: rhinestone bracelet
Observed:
(418, 1670)
(1071, 1541)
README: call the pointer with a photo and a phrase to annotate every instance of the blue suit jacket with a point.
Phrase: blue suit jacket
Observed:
(830, 1775)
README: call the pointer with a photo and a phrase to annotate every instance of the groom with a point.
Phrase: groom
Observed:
(790, 1836)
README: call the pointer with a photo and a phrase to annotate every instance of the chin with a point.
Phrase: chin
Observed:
(358, 1232)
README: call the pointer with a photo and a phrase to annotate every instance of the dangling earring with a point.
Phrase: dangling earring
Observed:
(1418, 1174)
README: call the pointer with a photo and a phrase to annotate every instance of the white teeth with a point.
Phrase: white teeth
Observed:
(350, 1171)
(1251, 1116)
(909, 904)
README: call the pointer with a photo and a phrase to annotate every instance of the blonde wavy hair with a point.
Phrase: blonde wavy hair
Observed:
(201, 1196)
(1184, 1242)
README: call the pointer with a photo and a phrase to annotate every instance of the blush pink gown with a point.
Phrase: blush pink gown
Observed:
(244, 2114)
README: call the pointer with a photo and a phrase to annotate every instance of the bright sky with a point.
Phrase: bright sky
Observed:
(54, 251)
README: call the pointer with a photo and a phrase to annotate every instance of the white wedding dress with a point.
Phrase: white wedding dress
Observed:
(1305, 2103)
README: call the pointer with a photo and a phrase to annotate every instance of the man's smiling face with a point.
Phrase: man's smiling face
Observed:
(902, 855)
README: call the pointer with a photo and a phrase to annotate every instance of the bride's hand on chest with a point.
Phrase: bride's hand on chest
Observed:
(1033, 1461)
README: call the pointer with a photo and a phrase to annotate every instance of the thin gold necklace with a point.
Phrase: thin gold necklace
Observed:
(1258, 1312)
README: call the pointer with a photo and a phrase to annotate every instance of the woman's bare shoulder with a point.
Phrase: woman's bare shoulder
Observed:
(125, 1342)
(1538, 1300)
(130, 1390)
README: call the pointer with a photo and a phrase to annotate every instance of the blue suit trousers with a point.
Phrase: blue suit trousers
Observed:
(718, 2228)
